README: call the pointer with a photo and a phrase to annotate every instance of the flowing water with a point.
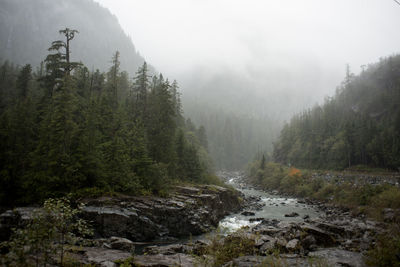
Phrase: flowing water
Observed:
(275, 207)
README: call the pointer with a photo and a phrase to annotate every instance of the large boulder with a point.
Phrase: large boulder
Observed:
(165, 260)
(14, 219)
(293, 245)
(309, 242)
(283, 260)
(323, 238)
(339, 257)
(104, 257)
(188, 211)
(121, 243)
(168, 249)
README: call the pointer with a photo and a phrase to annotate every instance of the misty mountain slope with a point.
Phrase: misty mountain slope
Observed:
(244, 111)
(271, 91)
(234, 139)
(359, 125)
(27, 27)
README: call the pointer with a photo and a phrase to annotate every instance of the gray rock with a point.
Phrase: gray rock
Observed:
(293, 245)
(246, 261)
(268, 246)
(337, 230)
(189, 211)
(390, 215)
(266, 230)
(104, 257)
(248, 213)
(165, 260)
(309, 242)
(188, 190)
(322, 237)
(260, 240)
(168, 250)
(293, 214)
(122, 244)
(285, 225)
(250, 261)
(281, 243)
(339, 257)
(15, 218)
(108, 264)
(200, 246)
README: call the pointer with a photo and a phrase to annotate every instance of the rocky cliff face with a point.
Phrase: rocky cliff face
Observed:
(188, 211)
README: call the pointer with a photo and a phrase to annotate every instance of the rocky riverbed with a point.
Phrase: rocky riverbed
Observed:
(301, 231)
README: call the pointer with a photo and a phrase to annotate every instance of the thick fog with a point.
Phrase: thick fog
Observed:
(293, 51)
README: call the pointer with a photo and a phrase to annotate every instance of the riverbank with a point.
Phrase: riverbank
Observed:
(266, 229)
(331, 238)
(360, 194)
(121, 224)
(377, 195)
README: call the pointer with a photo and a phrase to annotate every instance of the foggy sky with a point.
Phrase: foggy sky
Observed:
(250, 37)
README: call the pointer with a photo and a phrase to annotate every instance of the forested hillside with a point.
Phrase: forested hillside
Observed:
(64, 128)
(244, 111)
(359, 125)
(233, 139)
(26, 27)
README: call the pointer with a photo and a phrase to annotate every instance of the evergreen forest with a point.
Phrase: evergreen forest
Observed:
(66, 129)
(360, 125)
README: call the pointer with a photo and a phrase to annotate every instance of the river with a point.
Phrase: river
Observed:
(268, 206)
(273, 206)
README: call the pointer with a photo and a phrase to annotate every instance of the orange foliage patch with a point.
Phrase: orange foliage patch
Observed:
(294, 172)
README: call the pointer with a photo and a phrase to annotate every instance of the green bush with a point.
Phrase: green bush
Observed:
(304, 190)
(289, 183)
(386, 252)
(271, 176)
(389, 198)
(224, 249)
(44, 238)
(211, 179)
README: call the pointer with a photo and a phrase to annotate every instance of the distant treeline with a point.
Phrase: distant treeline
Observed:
(234, 139)
(359, 125)
(64, 128)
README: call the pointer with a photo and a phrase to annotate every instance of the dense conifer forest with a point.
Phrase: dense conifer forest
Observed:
(234, 139)
(65, 129)
(360, 125)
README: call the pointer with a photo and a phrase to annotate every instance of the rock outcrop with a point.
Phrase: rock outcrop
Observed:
(11, 219)
(188, 211)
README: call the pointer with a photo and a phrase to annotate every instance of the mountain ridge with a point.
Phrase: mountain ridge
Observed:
(27, 33)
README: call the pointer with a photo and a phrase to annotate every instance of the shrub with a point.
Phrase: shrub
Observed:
(389, 198)
(44, 238)
(304, 190)
(386, 252)
(224, 249)
(294, 172)
(289, 183)
(212, 179)
(325, 192)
